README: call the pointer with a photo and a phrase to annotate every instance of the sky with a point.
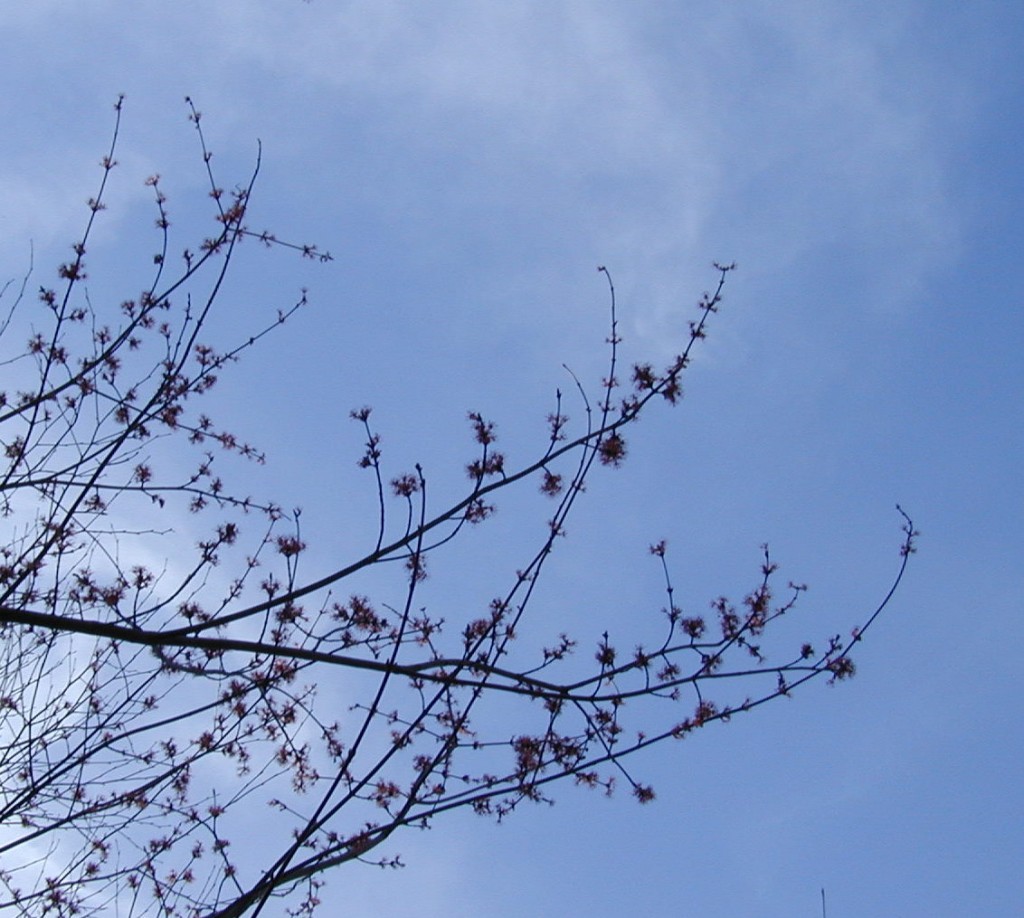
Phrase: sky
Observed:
(469, 165)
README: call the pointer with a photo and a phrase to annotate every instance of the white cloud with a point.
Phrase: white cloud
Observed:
(660, 138)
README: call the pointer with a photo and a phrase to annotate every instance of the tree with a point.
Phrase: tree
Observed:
(145, 710)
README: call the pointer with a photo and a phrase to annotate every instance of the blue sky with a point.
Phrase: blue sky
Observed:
(469, 165)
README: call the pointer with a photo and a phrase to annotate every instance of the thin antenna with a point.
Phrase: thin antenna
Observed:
(823, 915)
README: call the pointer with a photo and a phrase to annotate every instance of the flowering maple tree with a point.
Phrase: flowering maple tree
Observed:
(145, 710)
